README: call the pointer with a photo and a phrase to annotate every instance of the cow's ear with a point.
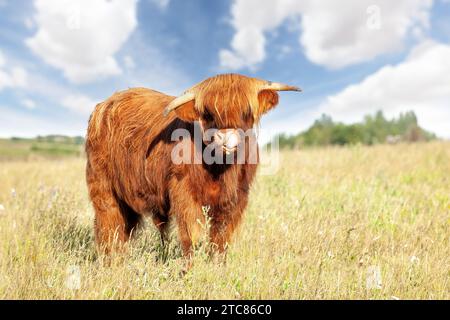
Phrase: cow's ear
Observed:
(267, 99)
(187, 111)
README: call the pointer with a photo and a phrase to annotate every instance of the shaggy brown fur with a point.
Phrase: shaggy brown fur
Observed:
(130, 173)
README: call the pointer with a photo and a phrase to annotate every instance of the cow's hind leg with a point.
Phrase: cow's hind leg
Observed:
(132, 219)
(114, 222)
(161, 223)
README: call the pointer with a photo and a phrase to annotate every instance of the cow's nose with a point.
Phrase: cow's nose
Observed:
(231, 139)
(219, 138)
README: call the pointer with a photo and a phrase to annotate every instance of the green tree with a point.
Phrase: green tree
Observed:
(373, 129)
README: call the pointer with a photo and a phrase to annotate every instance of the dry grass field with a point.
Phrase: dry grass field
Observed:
(333, 223)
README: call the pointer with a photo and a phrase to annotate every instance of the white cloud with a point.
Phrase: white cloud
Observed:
(79, 103)
(283, 51)
(249, 40)
(29, 104)
(162, 4)
(17, 77)
(420, 83)
(129, 62)
(11, 77)
(81, 37)
(55, 94)
(333, 34)
(29, 24)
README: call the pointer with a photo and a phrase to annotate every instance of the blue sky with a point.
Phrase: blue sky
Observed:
(58, 58)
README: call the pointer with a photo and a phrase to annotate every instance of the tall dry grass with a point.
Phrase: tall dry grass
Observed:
(339, 223)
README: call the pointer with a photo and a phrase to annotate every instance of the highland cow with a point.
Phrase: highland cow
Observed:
(130, 169)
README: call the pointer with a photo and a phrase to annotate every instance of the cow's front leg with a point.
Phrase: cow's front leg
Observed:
(223, 225)
(190, 221)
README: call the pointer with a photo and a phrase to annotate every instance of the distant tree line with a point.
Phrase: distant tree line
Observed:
(372, 130)
(54, 138)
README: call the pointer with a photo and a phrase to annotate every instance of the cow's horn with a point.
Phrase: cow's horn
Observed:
(178, 101)
(279, 87)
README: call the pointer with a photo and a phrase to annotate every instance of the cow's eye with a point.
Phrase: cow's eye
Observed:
(207, 117)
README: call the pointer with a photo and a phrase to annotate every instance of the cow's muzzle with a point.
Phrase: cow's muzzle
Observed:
(227, 139)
